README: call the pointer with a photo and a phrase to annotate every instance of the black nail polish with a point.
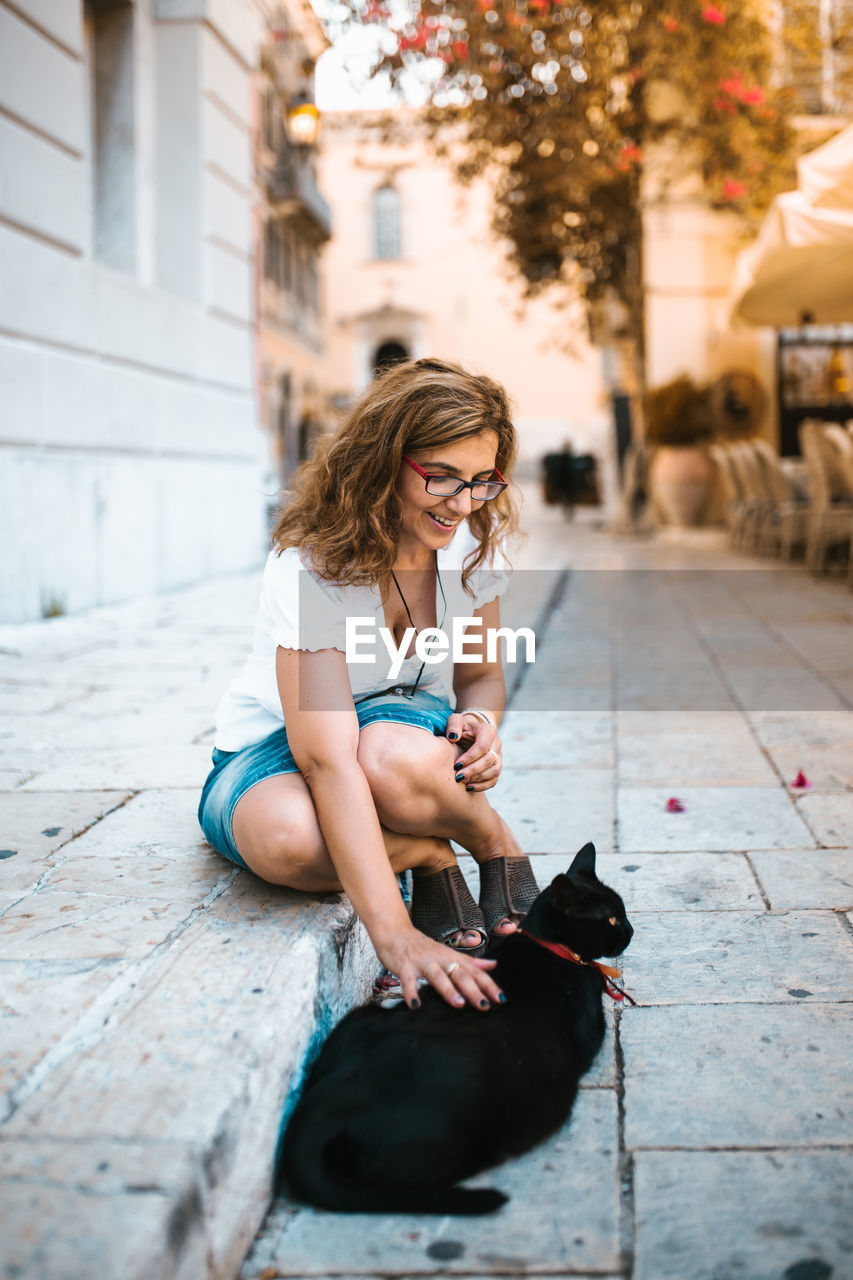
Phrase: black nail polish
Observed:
(484, 1004)
(415, 1004)
(460, 777)
(453, 736)
(502, 998)
(469, 788)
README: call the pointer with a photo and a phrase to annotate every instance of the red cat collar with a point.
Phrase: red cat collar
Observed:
(608, 973)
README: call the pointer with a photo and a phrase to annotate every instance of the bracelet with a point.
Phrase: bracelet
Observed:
(481, 713)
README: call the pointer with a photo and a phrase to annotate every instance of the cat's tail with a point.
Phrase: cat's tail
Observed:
(321, 1173)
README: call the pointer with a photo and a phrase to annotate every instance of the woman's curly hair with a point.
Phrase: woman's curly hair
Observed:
(345, 513)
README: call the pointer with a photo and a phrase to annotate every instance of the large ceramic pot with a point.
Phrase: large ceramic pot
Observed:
(682, 480)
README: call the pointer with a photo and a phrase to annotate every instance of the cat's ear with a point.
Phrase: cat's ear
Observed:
(583, 863)
(562, 893)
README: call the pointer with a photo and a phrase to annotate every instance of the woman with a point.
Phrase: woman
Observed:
(397, 522)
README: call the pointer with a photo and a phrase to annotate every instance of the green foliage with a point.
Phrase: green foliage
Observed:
(567, 104)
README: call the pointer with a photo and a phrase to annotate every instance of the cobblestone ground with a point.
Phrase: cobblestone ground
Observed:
(156, 1004)
(714, 1137)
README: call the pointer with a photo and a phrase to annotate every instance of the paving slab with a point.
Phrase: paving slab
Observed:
(131, 768)
(556, 810)
(41, 1002)
(827, 768)
(54, 925)
(672, 688)
(786, 686)
(69, 730)
(583, 740)
(146, 879)
(562, 1217)
(829, 817)
(806, 877)
(589, 689)
(21, 699)
(724, 818)
(696, 757)
(137, 1235)
(821, 729)
(781, 1215)
(681, 881)
(739, 1075)
(161, 821)
(720, 957)
(33, 827)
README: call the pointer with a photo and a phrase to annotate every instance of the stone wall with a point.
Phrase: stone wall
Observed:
(131, 456)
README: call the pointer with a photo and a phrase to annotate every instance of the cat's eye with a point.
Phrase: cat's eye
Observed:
(612, 921)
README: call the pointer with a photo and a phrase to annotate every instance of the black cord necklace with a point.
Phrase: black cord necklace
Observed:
(410, 693)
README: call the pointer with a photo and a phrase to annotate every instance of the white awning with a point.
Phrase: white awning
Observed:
(801, 264)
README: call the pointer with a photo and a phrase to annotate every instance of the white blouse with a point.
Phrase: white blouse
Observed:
(299, 610)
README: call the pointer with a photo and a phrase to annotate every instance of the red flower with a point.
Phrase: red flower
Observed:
(413, 42)
(670, 24)
(713, 15)
(753, 96)
(801, 781)
(726, 105)
(733, 189)
(630, 155)
(460, 48)
(674, 806)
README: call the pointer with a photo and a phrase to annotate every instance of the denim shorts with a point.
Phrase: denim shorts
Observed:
(234, 772)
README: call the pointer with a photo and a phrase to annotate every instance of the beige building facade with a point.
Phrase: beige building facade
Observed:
(293, 225)
(415, 270)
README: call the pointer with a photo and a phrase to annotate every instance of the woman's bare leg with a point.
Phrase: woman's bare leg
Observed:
(412, 779)
(277, 835)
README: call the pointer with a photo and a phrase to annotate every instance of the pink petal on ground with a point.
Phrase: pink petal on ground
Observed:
(674, 805)
(801, 780)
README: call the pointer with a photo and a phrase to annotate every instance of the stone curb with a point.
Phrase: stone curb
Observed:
(169, 1115)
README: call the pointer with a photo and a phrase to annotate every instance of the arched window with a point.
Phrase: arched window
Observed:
(386, 223)
(388, 353)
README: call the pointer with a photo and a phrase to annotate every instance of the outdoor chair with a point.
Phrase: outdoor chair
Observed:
(734, 502)
(757, 501)
(840, 442)
(787, 524)
(830, 502)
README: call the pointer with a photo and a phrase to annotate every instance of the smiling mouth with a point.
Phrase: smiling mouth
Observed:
(438, 520)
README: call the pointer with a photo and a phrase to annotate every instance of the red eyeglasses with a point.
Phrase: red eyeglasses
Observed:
(443, 486)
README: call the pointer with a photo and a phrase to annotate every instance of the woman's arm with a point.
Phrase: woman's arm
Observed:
(322, 731)
(479, 685)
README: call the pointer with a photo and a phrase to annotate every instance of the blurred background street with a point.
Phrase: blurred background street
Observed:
(219, 220)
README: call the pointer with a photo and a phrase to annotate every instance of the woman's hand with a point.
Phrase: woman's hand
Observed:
(456, 977)
(480, 765)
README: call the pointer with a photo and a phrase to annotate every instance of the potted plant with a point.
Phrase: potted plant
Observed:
(680, 423)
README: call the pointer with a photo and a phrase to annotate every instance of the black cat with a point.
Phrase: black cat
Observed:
(402, 1104)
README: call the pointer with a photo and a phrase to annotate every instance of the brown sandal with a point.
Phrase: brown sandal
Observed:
(508, 890)
(442, 905)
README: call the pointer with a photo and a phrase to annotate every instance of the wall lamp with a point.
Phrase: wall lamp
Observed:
(303, 123)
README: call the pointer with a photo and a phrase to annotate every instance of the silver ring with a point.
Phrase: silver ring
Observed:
(451, 968)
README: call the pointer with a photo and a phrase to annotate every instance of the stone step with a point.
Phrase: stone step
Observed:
(142, 1146)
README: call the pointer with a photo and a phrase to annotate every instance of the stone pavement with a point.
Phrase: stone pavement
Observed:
(157, 1005)
(713, 1139)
